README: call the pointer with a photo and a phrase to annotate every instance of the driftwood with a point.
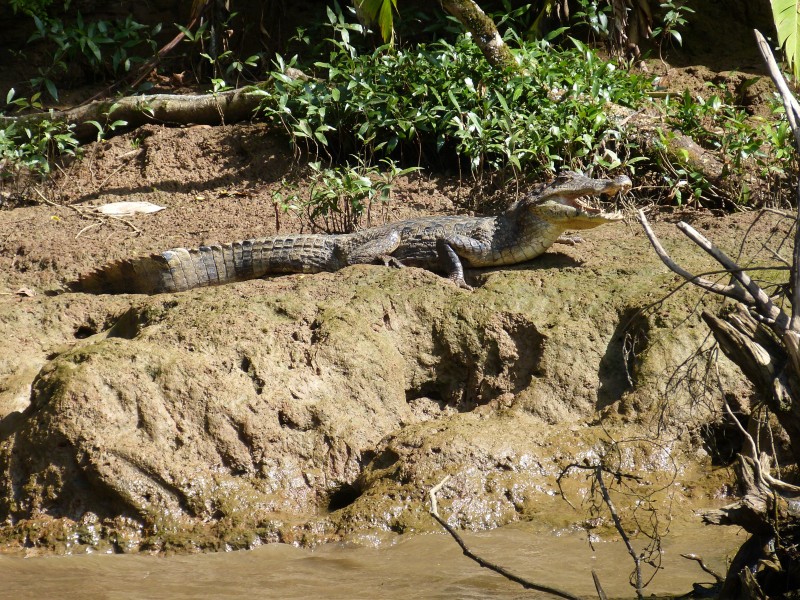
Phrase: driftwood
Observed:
(764, 342)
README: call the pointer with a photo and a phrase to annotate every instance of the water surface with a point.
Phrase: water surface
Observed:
(425, 566)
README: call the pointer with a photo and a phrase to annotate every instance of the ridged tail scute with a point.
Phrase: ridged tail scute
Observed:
(180, 269)
(175, 270)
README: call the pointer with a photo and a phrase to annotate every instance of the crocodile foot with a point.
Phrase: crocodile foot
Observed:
(391, 261)
(459, 281)
(570, 240)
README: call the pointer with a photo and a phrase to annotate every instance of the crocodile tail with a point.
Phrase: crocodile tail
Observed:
(177, 270)
(180, 269)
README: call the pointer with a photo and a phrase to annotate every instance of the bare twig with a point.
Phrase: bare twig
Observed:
(789, 102)
(750, 441)
(761, 299)
(484, 563)
(731, 291)
(637, 559)
(600, 592)
(793, 115)
(719, 578)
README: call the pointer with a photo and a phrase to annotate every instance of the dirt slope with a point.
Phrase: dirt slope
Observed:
(311, 408)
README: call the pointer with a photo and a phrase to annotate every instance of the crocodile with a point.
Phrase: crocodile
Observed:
(439, 243)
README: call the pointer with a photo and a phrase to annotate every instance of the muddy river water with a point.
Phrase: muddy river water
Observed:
(425, 566)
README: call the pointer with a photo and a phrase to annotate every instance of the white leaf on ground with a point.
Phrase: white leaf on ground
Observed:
(126, 209)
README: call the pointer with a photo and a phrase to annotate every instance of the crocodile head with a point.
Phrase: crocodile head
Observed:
(560, 202)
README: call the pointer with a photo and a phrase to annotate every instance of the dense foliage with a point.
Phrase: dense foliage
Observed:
(436, 104)
(442, 104)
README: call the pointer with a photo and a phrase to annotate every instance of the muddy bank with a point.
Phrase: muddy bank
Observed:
(322, 407)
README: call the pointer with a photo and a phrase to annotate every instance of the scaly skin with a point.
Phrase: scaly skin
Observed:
(525, 230)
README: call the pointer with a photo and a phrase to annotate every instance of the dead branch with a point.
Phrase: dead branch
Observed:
(637, 559)
(761, 300)
(764, 342)
(177, 109)
(529, 585)
(699, 559)
(597, 472)
(772, 364)
(730, 291)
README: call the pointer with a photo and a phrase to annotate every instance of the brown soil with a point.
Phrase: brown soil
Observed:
(217, 184)
(312, 408)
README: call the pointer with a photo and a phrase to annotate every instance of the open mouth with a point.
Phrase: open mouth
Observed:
(591, 205)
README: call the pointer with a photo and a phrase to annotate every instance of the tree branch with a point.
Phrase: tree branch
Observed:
(731, 291)
(484, 32)
(763, 303)
(485, 563)
(792, 114)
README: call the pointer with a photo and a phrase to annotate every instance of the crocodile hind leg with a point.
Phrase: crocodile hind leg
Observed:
(378, 249)
(452, 249)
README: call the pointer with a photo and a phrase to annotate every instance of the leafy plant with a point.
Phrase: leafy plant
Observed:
(442, 104)
(341, 196)
(744, 142)
(787, 22)
(34, 147)
(380, 12)
(226, 68)
(104, 47)
(32, 7)
(593, 15)
(674, 17)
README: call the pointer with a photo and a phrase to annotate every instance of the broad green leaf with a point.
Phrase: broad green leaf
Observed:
(379, 11)
(785, 14)
(51, 88)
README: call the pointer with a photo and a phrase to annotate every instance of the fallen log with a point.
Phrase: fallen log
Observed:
(168, 109)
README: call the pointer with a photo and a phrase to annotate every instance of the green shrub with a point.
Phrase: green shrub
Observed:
(341, 197)
(31, 7)
(442, 104)
(104, 48)
(34, 147)
(765, 147)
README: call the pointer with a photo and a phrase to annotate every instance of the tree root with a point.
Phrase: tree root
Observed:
(174, 109)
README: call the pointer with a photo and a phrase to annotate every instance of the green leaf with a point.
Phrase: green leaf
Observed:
(379, 11)
(51, 88)
(99, 129)
(785, 14)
